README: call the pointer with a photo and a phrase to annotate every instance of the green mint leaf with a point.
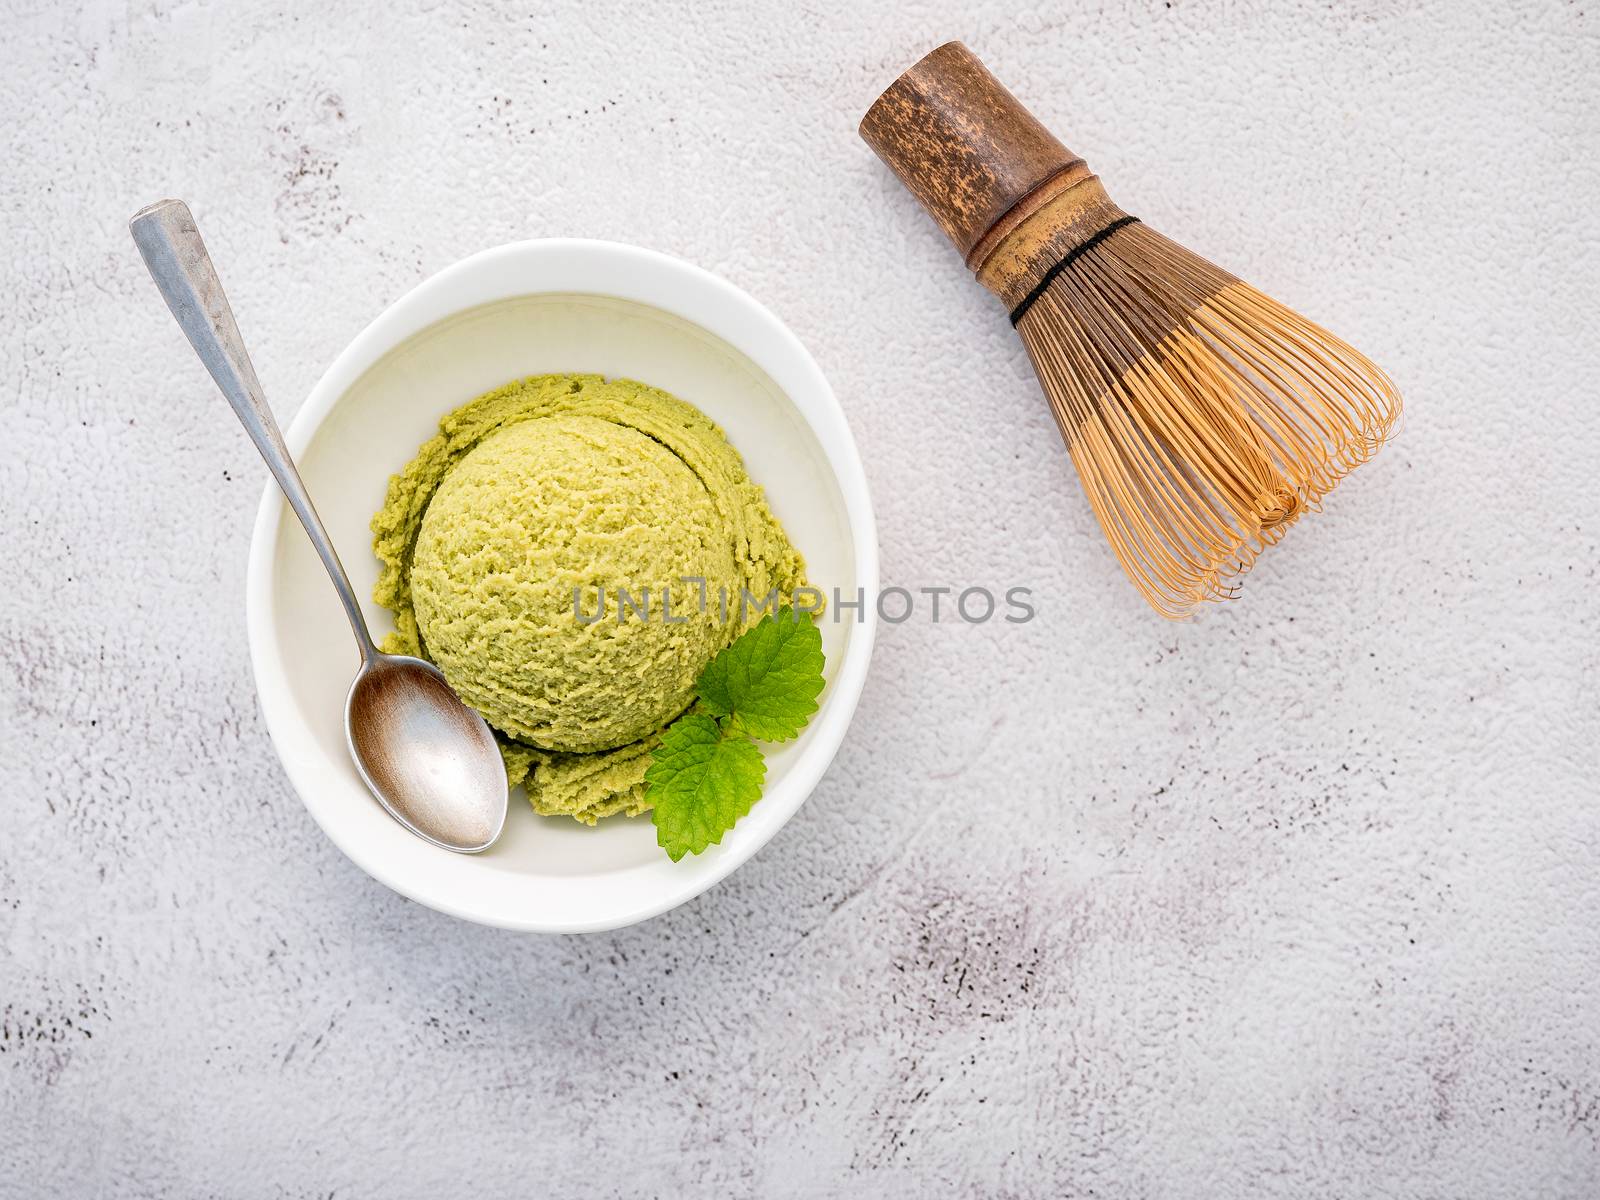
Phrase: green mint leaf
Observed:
(769, 678)
(701, 780)
(707, 772)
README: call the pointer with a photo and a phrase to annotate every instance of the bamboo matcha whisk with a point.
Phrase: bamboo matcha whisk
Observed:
(1203, 416)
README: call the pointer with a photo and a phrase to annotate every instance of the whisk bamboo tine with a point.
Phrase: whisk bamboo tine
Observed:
(1203, 416)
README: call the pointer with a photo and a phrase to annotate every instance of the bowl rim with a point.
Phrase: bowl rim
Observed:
(571, 266)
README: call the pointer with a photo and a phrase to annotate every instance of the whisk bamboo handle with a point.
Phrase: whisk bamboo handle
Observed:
(1012, 198)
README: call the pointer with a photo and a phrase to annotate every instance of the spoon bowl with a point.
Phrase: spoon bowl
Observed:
(430, 760)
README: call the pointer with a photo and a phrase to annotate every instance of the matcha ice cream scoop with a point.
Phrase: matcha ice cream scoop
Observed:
(535, 511)
(565, 482)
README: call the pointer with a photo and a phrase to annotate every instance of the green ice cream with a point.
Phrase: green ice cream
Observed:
(564, 486)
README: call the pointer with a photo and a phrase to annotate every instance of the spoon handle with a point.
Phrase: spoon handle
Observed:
(167, 238)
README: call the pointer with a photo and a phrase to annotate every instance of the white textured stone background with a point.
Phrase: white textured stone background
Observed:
(1298, 899)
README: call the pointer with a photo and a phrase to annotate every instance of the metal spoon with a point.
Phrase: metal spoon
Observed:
(429, 759)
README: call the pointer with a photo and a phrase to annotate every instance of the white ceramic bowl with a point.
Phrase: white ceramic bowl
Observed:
(523, 309)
